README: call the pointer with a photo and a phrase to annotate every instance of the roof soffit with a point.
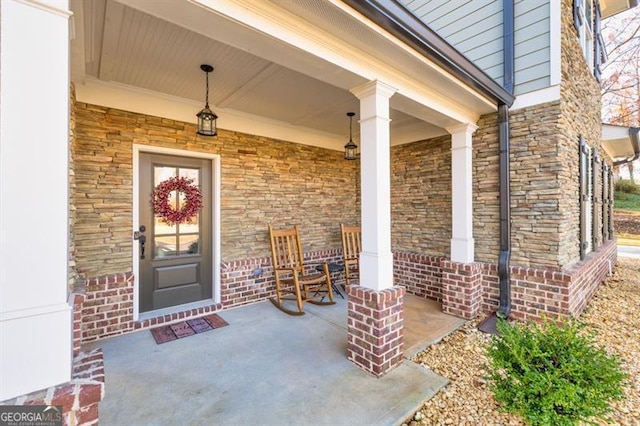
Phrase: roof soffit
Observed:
(310, 43)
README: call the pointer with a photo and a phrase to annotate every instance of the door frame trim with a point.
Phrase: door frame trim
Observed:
(215, 219)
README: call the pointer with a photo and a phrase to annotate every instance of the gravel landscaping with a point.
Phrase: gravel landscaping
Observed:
(613, 314)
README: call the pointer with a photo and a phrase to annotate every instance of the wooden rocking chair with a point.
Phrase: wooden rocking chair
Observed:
(351, 248)
(291, 276)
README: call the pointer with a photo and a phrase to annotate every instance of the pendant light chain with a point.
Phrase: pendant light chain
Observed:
(206, 102)
(350, 128)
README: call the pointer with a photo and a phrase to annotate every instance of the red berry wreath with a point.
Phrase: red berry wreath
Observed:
(190, 208)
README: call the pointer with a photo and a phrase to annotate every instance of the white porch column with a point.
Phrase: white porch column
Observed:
(35, 318)
(462, 243)
(376, 259)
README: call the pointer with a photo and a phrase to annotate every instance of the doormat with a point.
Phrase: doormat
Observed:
(167, 333)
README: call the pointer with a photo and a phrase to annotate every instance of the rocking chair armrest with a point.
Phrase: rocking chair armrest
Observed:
(292, 271)
(285, 269)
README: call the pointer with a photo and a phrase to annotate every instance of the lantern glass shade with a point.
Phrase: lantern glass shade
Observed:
(351, 151)
(207, 122)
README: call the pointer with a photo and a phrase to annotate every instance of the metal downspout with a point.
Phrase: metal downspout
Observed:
(489, 324)
(504, 273)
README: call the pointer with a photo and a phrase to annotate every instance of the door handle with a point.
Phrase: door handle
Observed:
(142, 239)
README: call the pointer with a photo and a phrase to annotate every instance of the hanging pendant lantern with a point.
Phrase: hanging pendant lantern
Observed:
(351, 151)
(206, 117)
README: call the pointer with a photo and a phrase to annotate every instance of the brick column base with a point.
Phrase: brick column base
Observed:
(461, 288)
(375, 320)
(79, 397)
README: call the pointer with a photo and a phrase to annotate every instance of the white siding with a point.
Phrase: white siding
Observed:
(474, 27)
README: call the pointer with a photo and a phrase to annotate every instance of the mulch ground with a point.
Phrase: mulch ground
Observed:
(627, 223)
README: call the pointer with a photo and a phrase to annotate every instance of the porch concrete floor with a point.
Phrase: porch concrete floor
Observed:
(267, 368)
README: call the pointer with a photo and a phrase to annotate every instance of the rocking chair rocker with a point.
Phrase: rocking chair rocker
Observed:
(291, 276)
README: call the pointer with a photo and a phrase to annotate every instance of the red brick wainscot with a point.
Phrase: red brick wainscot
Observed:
(467, 290)
(375, 320)
(106, 304)
(555, 294)
(103, 306)
(420, 275)
(251, 280)
(79, 397)
(461, 288)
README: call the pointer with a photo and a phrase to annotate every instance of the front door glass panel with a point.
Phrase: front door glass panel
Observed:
(180, 239)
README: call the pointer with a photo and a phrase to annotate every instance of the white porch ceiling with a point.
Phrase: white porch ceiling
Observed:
(619, 141)
(157, 47)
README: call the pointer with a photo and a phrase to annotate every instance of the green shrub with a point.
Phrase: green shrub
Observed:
(552, 374)
(627, 186)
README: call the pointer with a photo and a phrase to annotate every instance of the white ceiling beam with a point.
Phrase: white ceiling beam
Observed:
(77, 35)
(114, 14)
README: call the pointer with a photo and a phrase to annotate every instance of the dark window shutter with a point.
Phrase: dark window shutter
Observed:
(611, 193)
(605, 202)
(596, 220)
(583, 197)
(577, 17)
(600, 53)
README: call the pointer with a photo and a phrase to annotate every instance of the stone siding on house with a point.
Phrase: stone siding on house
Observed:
(262, 181)
(423, 169)
(72, 271)
(421, 197)
(581, 116)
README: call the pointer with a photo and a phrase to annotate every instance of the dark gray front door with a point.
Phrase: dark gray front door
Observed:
(176, 268)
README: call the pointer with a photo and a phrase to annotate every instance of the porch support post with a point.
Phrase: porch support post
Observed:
(35, 318)
(461, 278)
(376, 260)
(375, 312)
(462, 243)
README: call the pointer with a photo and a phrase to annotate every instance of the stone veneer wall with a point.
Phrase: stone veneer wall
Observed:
(421, 191)
(262, 181)
(72, 274)
(580, 111)
(421, 197)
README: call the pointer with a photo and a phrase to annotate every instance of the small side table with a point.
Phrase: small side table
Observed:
(334, 269)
